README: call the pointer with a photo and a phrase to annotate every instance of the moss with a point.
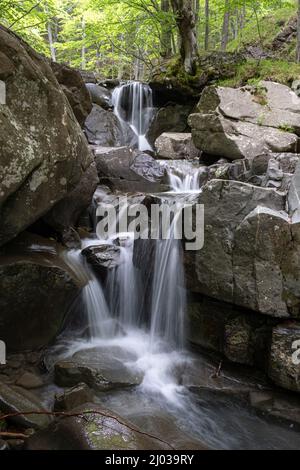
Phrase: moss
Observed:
(253, 71)
(286, 128)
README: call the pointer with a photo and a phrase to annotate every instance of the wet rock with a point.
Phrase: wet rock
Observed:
(36, 170)
(171, 118)
(176, 146)
(100, 95)
(261, 399)
(293, 197)
(109, 83)
(284, 368)
(15, 444)
(103, 128)
(103, 258)
(14, 399)
(228, 119)
(29, 381)
(98, 430)
(129, 170)
(75, 90)
(100, 369)
(37, 289)
(73, 397)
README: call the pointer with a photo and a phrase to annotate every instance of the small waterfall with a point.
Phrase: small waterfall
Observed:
(100, 322)
(133, 104)
(184, 177)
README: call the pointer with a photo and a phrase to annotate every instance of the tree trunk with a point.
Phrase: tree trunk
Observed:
(298, 35)
(83, 58)
(225, 29)
(186, 23)
(51, 42)
(206, 40)
(166, 32)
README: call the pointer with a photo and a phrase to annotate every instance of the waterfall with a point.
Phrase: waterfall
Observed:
(133, 104)
(183, 176)
(100, 322)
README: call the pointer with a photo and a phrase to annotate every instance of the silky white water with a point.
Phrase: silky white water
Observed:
(133, 104)
(183, 176)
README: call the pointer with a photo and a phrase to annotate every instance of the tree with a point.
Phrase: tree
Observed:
(225, 28)
(186, 23)
(206, 40)
(166, 34)
(298, 35)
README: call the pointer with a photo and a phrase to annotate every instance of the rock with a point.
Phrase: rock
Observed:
(35, 172)
(172, 118)
(15, 444)
(66, 213)
(127, 170)
(283, 370)
(296, 87)
(99, 430)
(237, 265)
(73, 397)
(228, 118)
(100, 95)
(15, 399)
(293, 197)
(103, 128)
(109, 83)
(29, 380)
(100, 369)
(176, 146)
(37, 289)
(75, 90)
(103, 258)
(261, 399)
(3, 445)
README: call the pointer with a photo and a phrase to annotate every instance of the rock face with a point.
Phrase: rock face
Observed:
(128, 170)
(176, 146)
(38, 169)
(104, 128)
(103, 258)
(247, 122)
(249, 257)
(171, 118)
(36, 291)
(66, 212)
(100, 95)
(95, 429)
(284, 364)
(75, 90)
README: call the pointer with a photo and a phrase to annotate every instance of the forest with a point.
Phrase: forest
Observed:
(129, 38)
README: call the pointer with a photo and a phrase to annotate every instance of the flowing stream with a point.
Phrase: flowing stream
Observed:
(152, 341)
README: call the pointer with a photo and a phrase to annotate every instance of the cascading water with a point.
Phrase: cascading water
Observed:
(183, 176)
(133, 104)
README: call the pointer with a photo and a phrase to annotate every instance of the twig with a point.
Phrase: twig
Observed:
(67, 414)
(217, 372)
(13, 435)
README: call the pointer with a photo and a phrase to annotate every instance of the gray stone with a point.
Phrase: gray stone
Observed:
(15, 399)
(93, 429)
(176, 146)
(130, 170)
(171, 118)
(100, 95)
(37, 289)
(73, 397)
(29, 381)
(36, 170)
(282, 369)
(103, 128)
(100, 369)
(247, 122)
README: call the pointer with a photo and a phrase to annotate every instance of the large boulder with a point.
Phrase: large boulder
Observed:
(239, 263)
(247, 122)
(100, 95)
(43, 153)
(105, 129)
(75, 90)
(93, 428)
(176, 146)
(130, 170)
(172, 118)
(37, 289)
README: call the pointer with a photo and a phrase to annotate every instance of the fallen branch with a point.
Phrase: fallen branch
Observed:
(13, 435)
(68, 414)
(217, 373)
